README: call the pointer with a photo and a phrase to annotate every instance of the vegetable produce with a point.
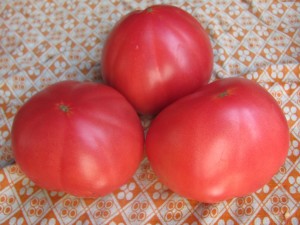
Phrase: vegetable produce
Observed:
(156, 56)
(83, 138)
(228, 139)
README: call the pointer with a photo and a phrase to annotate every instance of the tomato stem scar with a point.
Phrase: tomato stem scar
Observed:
(149, 10)
(64, 108)
(223, 94)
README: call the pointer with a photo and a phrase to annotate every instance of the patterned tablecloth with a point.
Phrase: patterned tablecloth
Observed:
(43, 42)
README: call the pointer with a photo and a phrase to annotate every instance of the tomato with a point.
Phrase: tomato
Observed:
(156, 56)
(82, 138)
(228, 139)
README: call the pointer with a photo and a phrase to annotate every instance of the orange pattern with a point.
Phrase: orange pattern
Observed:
(42, 42)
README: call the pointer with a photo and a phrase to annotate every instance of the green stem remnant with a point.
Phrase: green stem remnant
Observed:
(223, 94)
(149, 10)
(64, 108)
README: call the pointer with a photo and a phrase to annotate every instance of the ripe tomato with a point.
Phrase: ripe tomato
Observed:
(156, 56)
(83, 138)
(227, 139)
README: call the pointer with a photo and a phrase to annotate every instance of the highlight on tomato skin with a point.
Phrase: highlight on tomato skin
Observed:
(155, 56)
(226, 140)
(83, 138)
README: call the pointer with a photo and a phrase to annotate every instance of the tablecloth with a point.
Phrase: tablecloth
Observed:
(43, 42)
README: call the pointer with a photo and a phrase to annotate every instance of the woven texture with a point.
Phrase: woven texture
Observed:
(43, 42)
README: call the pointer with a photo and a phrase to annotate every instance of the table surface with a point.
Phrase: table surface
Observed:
(43, 42)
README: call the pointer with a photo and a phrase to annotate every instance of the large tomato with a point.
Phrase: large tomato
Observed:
(156, 56)
(83, 138)
(226, 140)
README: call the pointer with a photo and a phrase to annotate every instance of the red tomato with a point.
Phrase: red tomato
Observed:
(157, 55)
(226, 140)
(81, 138)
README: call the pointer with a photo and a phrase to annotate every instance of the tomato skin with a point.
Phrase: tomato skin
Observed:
(82, 138)
(226, 140)
(156, 56)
